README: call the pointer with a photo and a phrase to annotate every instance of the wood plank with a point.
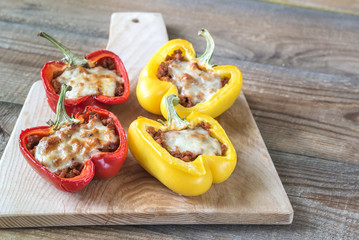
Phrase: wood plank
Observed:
(85, 233)
(290, 171)
(323, 193)
(323, 118)
(343, 6)
(26, 54)
(8, 115)
(254, 194)
(248, 31)
(330, 54)
(319, 117)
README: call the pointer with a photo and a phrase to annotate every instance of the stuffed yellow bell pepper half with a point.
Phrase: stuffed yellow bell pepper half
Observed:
(202, 87)
(188, 155)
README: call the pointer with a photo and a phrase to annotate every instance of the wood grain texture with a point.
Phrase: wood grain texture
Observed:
(321, 111)
(253, 194)
(247, 30)
(322, 186)
(343, 6)
(8, 116)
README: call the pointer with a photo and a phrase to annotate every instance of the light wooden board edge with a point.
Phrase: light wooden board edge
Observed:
(16, 220)
(48, 220)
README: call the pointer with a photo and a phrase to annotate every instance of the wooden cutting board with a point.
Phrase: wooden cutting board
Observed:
(252, 195)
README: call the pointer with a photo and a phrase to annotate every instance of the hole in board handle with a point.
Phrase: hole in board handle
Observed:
(135, 20)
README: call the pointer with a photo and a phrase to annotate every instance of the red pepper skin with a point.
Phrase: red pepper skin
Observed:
(107, 164)
(76, 105)
(101, 165)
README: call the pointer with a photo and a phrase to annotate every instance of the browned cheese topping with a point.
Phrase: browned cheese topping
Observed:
(195, 83)
(188, 143)
(99, 80)
(64, 151)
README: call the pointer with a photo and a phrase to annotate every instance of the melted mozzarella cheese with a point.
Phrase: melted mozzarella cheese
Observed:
(192, 82)
(73, 144)
(196, 140)
(89, 81)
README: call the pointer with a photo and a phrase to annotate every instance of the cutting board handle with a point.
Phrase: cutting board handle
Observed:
(148, 34)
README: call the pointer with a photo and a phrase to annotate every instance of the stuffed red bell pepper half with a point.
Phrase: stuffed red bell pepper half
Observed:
(72, 151)
(98, 79)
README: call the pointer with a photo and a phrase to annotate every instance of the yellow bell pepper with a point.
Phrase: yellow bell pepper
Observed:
(186, 178)
(151, 91)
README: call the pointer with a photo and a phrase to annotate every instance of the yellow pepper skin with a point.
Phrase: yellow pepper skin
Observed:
(186, 178)
(151, 91)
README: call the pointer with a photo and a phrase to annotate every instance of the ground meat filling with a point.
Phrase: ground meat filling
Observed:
(109, 64)
(164, 74)
(120, 88)
(103, 62)
(76, 167)
(70, 172)
(32, 142)
(186, 156)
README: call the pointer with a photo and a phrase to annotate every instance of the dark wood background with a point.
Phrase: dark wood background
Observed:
(300, 64)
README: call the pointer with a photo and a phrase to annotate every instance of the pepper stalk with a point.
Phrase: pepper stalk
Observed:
(174, 122)
(61, 116)
(206, 57)
(71, 58)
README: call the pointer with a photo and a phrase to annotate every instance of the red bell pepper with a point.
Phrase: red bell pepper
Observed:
(53, 68)
(100, 165)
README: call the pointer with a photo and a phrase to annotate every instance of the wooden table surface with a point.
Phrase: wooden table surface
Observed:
(300, 64)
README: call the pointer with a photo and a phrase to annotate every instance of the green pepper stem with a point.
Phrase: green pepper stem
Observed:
(61, 115)
(174, 120)
(71, 58)
(206, 57)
